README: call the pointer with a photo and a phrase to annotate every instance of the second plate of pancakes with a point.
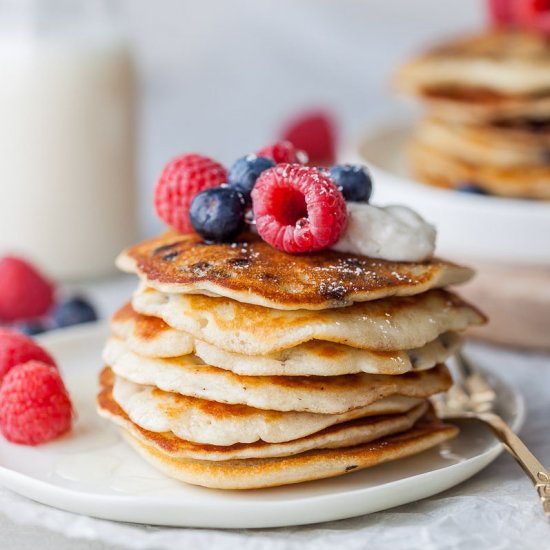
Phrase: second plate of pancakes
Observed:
(470, 227)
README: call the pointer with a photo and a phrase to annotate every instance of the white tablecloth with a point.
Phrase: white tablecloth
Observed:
(496, 509)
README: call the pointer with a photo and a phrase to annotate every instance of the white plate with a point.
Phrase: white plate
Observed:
(93, 472)
(491, 229)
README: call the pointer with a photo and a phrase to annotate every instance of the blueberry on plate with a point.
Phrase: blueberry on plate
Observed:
(353, 180)
(74, 311)
(471, 188)
(217, 214)
(32, 327)
(245, 171)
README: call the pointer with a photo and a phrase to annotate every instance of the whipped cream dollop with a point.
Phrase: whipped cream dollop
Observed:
(394, 233)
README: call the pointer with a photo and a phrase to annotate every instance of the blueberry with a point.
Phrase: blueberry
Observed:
(354, 181)
(245, 171)
(32, 327)
(471, 188)
(217, 214)
(73, 311)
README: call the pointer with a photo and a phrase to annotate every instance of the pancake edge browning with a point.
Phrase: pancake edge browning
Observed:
(253, 272)
(175, 447)
(311, 465)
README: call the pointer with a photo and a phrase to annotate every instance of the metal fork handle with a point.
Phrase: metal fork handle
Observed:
(539, 475)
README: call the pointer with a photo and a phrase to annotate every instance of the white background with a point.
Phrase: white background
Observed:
(220, 77)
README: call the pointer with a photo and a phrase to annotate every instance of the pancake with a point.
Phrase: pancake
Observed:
(310, 465)
(313, 358)
(208, 422)
(150, 336)
(470, 107)
(350, 432)
(437, 168)
(383, 325)
(504, 145)
(317, 394)
(318, 358)
(487, 65)
(252, 271)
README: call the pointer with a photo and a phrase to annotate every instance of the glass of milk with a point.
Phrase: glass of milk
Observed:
(67, 132)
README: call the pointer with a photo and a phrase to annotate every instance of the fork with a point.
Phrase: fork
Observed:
(472, 397)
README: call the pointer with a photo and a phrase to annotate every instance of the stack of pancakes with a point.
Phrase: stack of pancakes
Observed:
(488, 116)
(238, 366)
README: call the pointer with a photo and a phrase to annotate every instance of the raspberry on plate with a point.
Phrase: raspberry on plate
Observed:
(24, 292)
(34, 404)
(283, 152)
(16, 348)
(298, 208)
(183, 178)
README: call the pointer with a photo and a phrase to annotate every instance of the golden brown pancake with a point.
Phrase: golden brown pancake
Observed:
(504, 145)
(470, 107)
(316, 464)
(148, 336)
(252, 271)
(316, 394)
(361, 430)
(482, 68)
(397, 323)
(443, 170)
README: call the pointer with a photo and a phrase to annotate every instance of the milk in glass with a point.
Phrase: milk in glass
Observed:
(66, 136)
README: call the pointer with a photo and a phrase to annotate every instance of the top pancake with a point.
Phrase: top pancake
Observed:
(484, 67)
(251, 271)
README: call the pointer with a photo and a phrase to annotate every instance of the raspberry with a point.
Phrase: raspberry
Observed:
(298, 208)
(502, 12)
(24, 292)
(16, 348)
(534, 14)
(183, 178)
(34, 404)
(283, 151)
(315, 134)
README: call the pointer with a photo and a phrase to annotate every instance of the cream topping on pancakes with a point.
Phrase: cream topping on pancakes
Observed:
(394, 233)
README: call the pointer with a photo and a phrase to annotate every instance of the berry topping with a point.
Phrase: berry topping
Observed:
(353, 180)
(245, 171)
(24, 292)
(34, 404)
(73, 311)
(283, 152)
(534, 14)
(16, 348)
(315, 134)
(472, 189)
(217, 214)
(502, 12)
(298, 209)
(183, 178)
(32, 327)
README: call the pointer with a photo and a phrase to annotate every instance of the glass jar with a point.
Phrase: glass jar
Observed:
(67, 136)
